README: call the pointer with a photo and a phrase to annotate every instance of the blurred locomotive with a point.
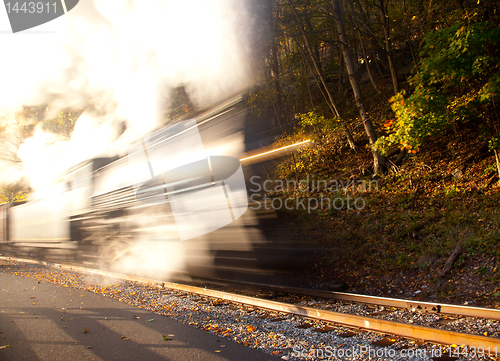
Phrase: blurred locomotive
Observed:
(93, 216)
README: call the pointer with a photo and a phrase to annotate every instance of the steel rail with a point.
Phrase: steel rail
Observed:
(428, 334)
(369, 323)
(443, 308)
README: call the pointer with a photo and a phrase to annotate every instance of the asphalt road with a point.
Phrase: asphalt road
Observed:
(44, 321)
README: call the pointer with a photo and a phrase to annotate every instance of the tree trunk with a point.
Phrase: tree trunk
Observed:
(370, 75)
(376, 49)
(377, 62)
(331, 102)
(379, 162)
(275, 75)
(341, 70)
(270, 68)
(310, 29)
(307, 64)
(306, 72)
(384, 18)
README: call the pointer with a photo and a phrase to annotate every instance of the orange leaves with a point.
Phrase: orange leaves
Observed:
(388, 123)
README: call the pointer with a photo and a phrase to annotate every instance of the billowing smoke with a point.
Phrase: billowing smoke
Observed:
(118, 60)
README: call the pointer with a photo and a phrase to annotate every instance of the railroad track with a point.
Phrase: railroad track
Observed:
(441, 308)
(331, 318)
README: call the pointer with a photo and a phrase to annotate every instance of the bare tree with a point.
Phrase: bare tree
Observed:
(329, 98)
(274, 64)
(379, 162)
(12, 135)
(384, 19)
(365, 57)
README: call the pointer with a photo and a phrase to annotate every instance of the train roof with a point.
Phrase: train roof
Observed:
(96, 163)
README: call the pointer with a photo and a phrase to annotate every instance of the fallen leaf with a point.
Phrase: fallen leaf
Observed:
(166, 338)
(151, 320)
(4, 346)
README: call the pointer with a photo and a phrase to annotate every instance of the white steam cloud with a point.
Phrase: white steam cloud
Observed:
(119, 60)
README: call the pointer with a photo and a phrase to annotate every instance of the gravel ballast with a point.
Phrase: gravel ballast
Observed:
(274, 333)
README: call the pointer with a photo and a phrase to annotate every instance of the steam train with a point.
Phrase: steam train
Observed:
(93, 215)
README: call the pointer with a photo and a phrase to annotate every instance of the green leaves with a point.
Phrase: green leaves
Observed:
(494, 143)
(317, 124)
(457, 54)
(421, 115)
(457, 81)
